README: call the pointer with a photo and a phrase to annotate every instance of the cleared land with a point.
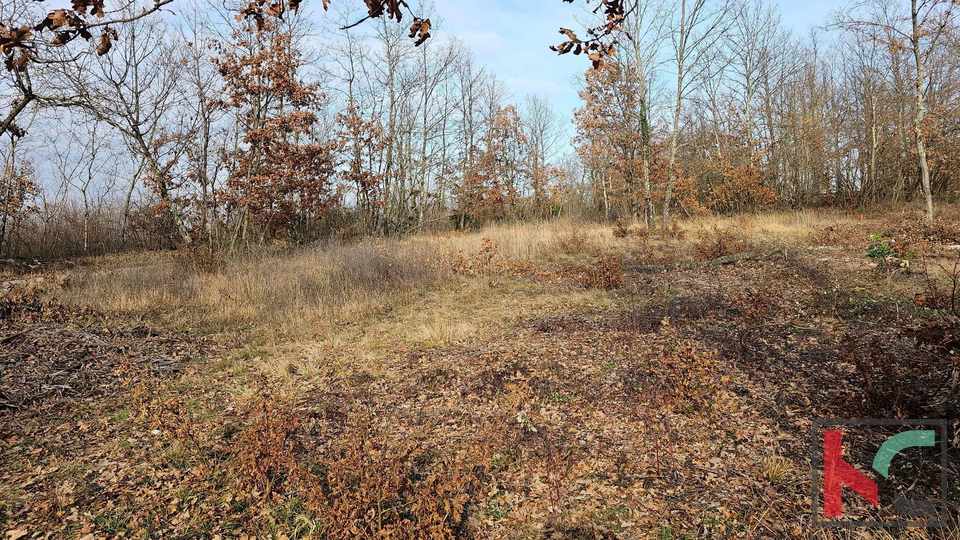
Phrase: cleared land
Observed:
(556, 380)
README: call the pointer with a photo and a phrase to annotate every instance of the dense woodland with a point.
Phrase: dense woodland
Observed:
(226, 126)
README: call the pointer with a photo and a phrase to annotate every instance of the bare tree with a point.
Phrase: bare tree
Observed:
(698, 26)
(750, 51)
(17, 190)
(544, 131)
(24, 32)
(135, 89)
(646, 25)
(80, 161)
(928, 21)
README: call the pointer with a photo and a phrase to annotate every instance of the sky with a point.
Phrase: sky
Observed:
(803, 15)
(512, 38)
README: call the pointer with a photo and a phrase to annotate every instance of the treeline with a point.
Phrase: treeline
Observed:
(719, 108)
(209, 128)
(222, 127)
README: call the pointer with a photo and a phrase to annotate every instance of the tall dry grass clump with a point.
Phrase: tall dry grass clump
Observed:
(283, 292)
(541, 241)
(771, 227)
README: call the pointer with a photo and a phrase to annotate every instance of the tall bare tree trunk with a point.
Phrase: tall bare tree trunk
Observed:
(874, 147)
(645, 137)
(918, 117)
(678, 102)
(674, 145)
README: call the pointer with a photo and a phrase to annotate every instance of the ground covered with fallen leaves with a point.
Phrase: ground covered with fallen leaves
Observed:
(673, 401)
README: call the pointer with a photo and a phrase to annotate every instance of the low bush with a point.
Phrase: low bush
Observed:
(719, 242)
(880, 248)
(606, 274)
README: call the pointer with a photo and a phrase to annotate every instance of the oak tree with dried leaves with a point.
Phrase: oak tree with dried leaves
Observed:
(281, 177)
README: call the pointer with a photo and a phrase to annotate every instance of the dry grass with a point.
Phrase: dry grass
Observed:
(326, 305)
(283, 293)
(777, 227)
(549, 241)
(312, 291)
(304, 292)
(440, 331)
(347, 306)
(777, 469)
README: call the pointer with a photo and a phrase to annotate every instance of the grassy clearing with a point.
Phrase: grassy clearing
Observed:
(298, 293)
(472, 385)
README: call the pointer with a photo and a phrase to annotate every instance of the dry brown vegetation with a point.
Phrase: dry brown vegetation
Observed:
(552, 380)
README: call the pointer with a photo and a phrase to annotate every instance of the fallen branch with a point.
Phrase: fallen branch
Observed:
(7, 287)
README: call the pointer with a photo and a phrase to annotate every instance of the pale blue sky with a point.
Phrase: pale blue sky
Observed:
(802, 15)
(512, 39)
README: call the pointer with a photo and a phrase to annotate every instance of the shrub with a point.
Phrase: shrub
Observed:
(379, 488)
(266, 452)
(363, 485)
(720, 243)
(741, 189)
(200, 259)
(606, 274)
(621, 229)
(879, 248)
(573, 243)
(478, 263)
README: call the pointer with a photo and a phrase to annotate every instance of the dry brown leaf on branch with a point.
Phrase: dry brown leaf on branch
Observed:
(106, 41)
(420, 29)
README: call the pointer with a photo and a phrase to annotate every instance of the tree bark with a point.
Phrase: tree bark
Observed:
(919, 115)
(675, 135)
